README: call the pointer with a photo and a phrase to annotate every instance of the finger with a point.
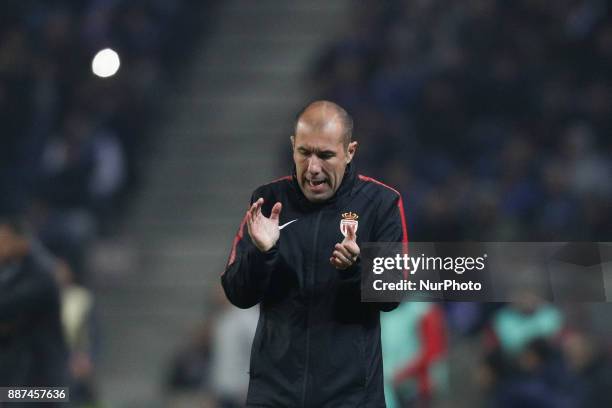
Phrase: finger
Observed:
(259, 205)
(339, 264)
(254, 203)
(249, 221)
(351, 233)
(276, 210)
(343, 250)
(342, 258)
(253, 209)
(352, 248)
(336, 263)
(332, 260)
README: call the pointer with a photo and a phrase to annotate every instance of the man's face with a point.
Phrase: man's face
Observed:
(320, 159)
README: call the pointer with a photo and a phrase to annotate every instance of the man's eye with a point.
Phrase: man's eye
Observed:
(326, 156)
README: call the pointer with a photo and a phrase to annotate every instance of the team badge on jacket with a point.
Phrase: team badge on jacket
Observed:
(348, 218)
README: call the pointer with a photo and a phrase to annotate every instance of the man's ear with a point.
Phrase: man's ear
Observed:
(292, 138)
(351, 149)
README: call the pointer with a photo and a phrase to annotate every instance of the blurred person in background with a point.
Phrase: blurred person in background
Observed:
(33, 350)
(591, 368)
(190, 376)
(414, 348)
(233, 332)
(524, 365)
(525, 320)
(77, 304)
(536, 377)
(316, 344)
(82, 171)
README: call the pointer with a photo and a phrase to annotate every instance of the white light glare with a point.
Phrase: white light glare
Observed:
(106, 63)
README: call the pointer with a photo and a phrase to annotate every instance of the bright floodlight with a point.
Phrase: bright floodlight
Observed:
(105, 63)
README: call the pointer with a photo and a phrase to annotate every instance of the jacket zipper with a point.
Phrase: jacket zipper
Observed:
(314, 264)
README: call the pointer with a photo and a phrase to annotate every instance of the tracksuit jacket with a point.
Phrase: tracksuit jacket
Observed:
(316, 343)
(33, 351)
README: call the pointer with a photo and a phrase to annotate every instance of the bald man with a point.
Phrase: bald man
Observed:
(297, 255)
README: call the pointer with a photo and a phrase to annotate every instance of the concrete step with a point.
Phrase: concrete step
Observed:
(130, 295)
(133, 340)
(231, 89)
(192, 206)
(247, 108)
(185, 138)
(210, 167)
(183, 244)
(259, 52)
(221, 175)
(182, 190)
(267, 6)
(196, 227)
(289, 20)
(205, 150)
(210, 118)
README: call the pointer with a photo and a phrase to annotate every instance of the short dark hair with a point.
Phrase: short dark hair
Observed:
(345, 119)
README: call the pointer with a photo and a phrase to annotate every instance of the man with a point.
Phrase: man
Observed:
(316, 344)
(32, 348)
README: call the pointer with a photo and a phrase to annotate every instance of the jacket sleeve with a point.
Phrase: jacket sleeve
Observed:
(249, 271)
(390, 227)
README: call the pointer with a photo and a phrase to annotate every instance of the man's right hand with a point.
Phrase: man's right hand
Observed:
(264, 231)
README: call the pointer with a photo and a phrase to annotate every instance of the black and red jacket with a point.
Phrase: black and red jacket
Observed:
(316, 344)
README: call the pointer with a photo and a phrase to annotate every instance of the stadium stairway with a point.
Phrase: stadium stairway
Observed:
(224, 129)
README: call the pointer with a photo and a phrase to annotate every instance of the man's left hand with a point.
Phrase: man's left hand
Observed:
(346, 253)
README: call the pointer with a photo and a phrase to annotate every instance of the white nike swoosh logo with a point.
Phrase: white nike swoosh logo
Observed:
(287, 223)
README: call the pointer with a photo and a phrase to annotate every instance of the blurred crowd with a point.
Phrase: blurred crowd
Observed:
(491, 117)
(71, 148)
(73, 143)
(535, 357)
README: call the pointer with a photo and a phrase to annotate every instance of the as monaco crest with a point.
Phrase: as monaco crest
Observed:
(348, 218)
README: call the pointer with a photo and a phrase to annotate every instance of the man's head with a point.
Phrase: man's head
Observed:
(322, 148)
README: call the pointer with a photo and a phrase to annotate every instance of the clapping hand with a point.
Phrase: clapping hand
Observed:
(346, 253)
(264, 231)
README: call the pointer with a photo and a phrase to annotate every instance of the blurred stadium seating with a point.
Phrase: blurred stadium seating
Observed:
(492, 117)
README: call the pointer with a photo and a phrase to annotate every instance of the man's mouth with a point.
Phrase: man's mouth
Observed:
(315, 183)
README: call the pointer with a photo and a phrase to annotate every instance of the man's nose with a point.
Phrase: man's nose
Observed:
(314, 166)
